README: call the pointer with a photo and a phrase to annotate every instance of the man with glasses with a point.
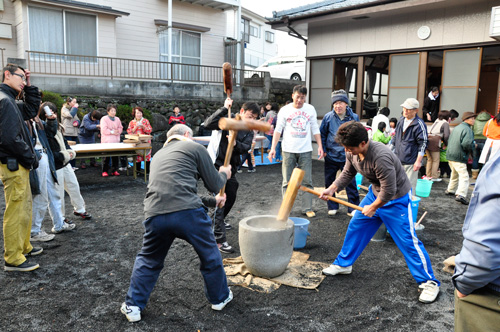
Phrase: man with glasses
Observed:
(17, 158)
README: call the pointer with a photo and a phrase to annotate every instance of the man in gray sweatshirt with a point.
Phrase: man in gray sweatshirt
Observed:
(388, 201)
(173, 209)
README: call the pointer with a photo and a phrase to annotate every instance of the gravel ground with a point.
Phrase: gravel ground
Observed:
(84, 274)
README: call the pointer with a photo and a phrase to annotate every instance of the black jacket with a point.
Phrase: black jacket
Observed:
(243, 141)
(15, 140)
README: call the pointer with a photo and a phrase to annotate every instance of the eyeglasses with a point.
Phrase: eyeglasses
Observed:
(22, 76)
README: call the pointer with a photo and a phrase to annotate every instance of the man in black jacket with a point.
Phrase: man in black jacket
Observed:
(217, 150)
(17, 157)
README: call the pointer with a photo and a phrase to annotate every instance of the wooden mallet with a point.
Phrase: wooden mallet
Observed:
(334, 199)
(290, 194)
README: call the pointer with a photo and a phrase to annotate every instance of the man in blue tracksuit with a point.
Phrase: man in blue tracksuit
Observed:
(334, 152)
(477, 269)
(388, 201)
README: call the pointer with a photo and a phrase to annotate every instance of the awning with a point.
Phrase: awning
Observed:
(83, 5)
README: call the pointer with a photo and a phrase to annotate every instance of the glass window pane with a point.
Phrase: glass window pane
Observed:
(81, 34)
(46, 30)
(191, 44)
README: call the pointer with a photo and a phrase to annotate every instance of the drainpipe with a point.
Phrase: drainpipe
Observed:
(238, 35)
(170, 31)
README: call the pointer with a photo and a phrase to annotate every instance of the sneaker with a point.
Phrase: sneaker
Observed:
(437, 180)
(221, 305)
(84, 215)
(105, 174)
(251, 170)
(75, 169)
(425, 177)
(132, 312)
(42, 236)
(335, 269)
(239, 171)
(115, 173)
(332, 212)
(446, 192)
(24, 267)
(35, 251)
(310, 214)
(462, 200)
(430, 291)
(225, 248)
(122, 169)
(65, 227)
(227, 226)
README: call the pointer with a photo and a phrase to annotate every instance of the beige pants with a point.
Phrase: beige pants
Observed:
(432, 164)
(479, 311)
(459, 179)
(412, 176)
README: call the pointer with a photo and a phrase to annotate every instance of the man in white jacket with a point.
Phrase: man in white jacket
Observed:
(296, 122)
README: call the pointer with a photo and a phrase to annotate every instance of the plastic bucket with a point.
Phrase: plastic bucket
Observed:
(423, 188)
(301, 233)
(414, 207)
(359, 179)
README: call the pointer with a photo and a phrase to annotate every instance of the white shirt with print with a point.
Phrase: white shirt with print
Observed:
(296, 126)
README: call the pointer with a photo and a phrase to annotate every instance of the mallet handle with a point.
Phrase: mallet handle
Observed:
(334, 199)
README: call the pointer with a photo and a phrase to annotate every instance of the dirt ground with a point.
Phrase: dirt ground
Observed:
(84, 274)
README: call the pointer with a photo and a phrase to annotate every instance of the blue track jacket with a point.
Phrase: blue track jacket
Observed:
(328, 129)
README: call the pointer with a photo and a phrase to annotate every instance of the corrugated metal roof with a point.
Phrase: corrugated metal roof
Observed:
(318, 7)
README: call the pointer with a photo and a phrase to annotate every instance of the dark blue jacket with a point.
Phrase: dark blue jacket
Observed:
(88, 128)
(44, 133)
(328, 129)
(408, 144)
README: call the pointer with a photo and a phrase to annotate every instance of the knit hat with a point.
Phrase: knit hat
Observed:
(410, 104)
(339, 95)
(468, 115)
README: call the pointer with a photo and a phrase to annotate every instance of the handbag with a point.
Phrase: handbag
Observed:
(434, 139)
(34, 183)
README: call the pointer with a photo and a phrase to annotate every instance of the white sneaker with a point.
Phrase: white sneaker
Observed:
(436, 179)
(221, 305)
(42, 236)
(335, 269)
(132, 312)
(65, 227)
(332, 212)
(430, 291)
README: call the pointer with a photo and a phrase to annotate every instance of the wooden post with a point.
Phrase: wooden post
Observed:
(422, 81)
(360, 95)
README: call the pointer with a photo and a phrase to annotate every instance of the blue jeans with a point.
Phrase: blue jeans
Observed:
(304, 162)
(193, 226)
(397, 217)
(331, 168)
(476, 153)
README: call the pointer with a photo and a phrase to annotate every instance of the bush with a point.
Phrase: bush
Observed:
(54, 98)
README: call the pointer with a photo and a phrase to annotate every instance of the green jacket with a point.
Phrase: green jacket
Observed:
(481, 120)
(380, 137)
(460, 143)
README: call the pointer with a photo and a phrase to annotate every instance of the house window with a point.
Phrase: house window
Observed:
(60, 31)
(254, 31)
(186, 50)
(269, 37)
(245, 30)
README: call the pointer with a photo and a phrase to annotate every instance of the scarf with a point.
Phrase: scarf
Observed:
(112, 118)
(431, 96)
(177, 137)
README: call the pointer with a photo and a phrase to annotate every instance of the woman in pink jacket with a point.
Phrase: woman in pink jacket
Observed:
(111, 128)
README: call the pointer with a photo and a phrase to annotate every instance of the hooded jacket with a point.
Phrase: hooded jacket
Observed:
(481, 120)
(460, 143)
(410, 143)
(15, 140)
(328, 130)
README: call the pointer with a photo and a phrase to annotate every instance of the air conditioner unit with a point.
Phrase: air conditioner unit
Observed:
(495, 23)
(5, 31)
